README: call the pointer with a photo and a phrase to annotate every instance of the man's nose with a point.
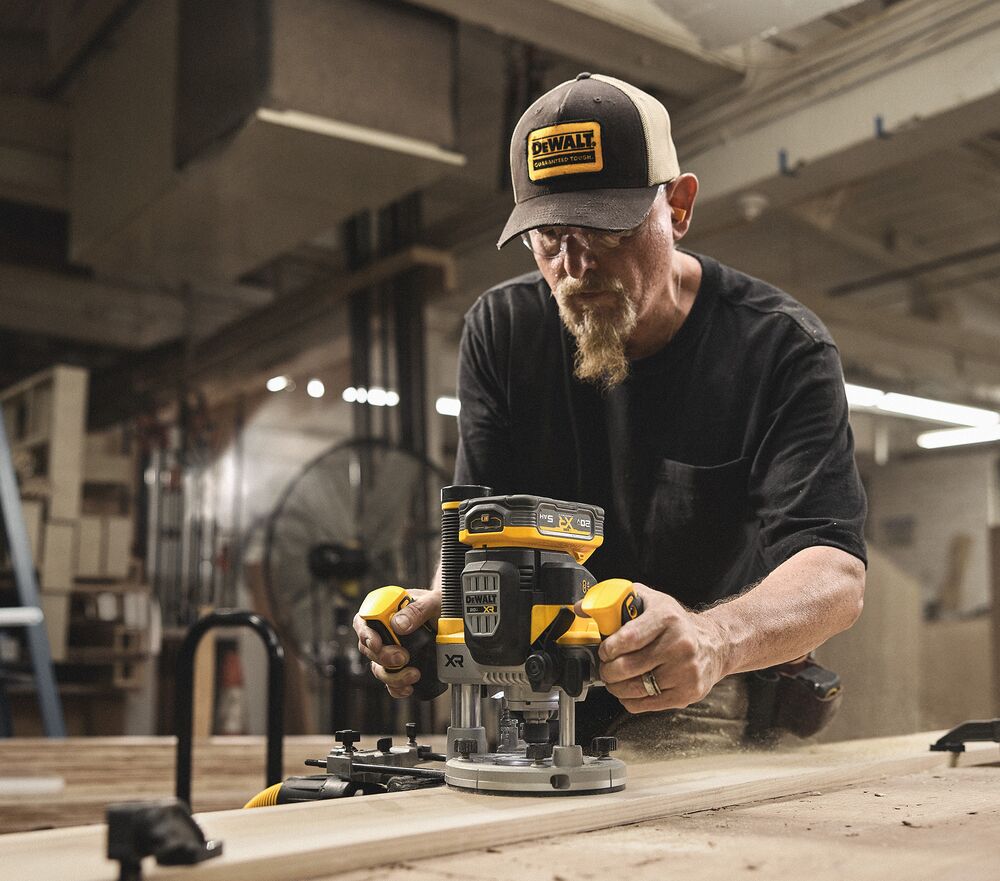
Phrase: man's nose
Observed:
(577, 257)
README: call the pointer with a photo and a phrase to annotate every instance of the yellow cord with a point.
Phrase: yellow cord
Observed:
(265, 799)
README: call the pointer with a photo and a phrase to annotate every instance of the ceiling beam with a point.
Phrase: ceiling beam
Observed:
(279, 332)
(78, 308)
(603, 40)
(850, 111)
(900, 256)
(75, 307)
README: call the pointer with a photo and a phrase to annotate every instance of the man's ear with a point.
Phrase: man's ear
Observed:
(681, 199)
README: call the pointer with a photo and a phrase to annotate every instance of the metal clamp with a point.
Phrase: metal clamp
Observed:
(163, 828)
(956, 739)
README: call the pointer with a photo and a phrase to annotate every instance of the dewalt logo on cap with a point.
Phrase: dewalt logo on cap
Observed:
(568, 148)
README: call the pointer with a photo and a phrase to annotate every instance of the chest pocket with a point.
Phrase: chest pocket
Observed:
(694, 534)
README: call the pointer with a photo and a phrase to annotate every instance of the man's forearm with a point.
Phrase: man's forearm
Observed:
(801, 604)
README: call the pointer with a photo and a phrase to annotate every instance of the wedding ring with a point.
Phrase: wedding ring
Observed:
(650, 684)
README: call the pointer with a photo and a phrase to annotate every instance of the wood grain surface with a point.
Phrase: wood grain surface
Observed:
(936, 825)
(97, 771)
(325, 839)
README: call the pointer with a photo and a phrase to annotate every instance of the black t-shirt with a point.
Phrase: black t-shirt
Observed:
(719, 457)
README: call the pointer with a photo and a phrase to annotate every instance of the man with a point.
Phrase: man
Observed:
(704, 410)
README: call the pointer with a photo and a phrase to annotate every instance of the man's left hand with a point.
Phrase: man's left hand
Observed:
(685, 652)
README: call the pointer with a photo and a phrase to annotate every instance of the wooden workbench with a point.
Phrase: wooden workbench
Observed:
(883, 809)
(96, 771)
(941, 825)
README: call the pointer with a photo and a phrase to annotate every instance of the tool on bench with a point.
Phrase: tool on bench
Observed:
(352, 771)
(512, 570)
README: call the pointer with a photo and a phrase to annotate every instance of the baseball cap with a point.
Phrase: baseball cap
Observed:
(591, 152)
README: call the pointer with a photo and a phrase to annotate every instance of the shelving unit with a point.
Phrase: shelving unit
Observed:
(77, 492)
(46, 423)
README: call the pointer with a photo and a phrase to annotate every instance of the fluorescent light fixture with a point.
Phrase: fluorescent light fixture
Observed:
(350, 394)
(447, 406)
(937, 411)
(278, 383)
(376, 396)
(391, 398)
(956, 437)
(315, 388)
(861, 397)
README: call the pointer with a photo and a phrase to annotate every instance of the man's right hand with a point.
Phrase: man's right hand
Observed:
(426, 606)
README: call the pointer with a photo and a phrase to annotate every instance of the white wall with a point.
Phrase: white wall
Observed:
(944, 496)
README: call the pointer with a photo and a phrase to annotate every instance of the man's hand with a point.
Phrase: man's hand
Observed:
(685, 652)
(426, 606)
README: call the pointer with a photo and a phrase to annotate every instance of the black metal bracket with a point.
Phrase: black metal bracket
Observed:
(163, 828)
(956, 739)
(184, 709)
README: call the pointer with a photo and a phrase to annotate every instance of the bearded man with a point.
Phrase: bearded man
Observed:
(703, 409)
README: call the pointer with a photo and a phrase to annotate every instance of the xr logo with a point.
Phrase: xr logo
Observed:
(453, 660)
(565, 521)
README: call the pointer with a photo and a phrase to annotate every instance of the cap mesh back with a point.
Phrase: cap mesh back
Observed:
(661, 156)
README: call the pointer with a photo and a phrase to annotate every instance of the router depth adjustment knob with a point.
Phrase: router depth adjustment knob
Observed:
(540, 670)
(466, 746)
(348, 738)
(602, 747)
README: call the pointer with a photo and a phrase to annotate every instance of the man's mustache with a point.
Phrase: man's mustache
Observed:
(570, 287)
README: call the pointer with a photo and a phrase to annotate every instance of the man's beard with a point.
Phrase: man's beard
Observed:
(601, 328)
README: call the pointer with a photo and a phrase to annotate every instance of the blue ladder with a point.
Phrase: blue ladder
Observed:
(29, 613)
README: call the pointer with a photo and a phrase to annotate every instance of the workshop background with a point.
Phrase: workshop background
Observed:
(236, 243)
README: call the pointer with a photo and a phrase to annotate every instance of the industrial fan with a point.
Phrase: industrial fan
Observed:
(361, 515)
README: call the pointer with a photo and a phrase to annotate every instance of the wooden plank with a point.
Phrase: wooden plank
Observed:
(66, 433)
(55, 608)
(994, 576)
(306, 841)
(927, 826)
(59, 555)
(204, 685)
(89, 560)
(117, 546)
(33, 511)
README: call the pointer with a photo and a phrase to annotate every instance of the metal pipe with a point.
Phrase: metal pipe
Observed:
(466, 706)
(396, 770)
(567, 719)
